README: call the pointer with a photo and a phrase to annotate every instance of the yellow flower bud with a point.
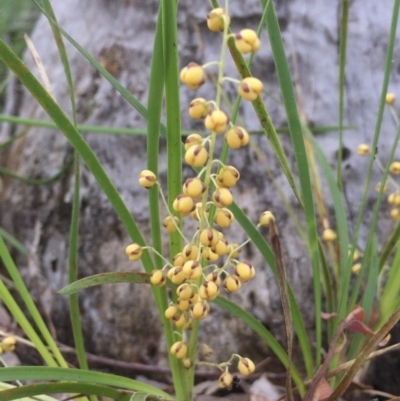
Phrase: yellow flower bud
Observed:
(171, 223)
(216, 20)
(171, 312)
(250, 88)
(181, 321)
(193, 76)
(214, 276)
(390, 98)
(192, 269)
(179, 259)
(237, 137)
(221, 248)
(134, 252)
(356, 268)
(209, 237)
(245, 271)
(216, 121)
(224, 217)
(183, 304)
(266, 218)
(147, 179)
(396, 199)
(187, 363)
(356, 255)
(247, 41)
(198, 108)
(190, 252)
(196, 156)
(232, 283)
(195, 298)
(176, 275)
(200, 310)
(246, 366)
(222, 197)
(328, 235)
(179, 349)
(8, 344)
(394, 168)
(363, 149)
(225, 380)
(193, 139)
(234, 250)
(185, 291)
(395, 214)
(194, 187)
(227, 177)
(183, 204)
(209, 255)
(157, 278)
(208, 290)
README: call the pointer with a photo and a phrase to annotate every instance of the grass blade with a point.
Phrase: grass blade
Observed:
(31, 181)
(105, 278)
(295, 129)
(16, 311)
(14, 242)
(80, 376)
(344, 22)
(34, 390)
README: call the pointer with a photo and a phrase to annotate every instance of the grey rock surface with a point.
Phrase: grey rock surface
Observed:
(119, 320)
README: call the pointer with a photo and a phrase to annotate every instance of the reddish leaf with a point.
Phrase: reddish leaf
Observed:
(360, 327)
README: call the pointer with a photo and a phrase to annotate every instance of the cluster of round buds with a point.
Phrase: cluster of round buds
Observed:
(7, 344)
(195, 269)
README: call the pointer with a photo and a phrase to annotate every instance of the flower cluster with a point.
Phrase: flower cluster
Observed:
(208, 262)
